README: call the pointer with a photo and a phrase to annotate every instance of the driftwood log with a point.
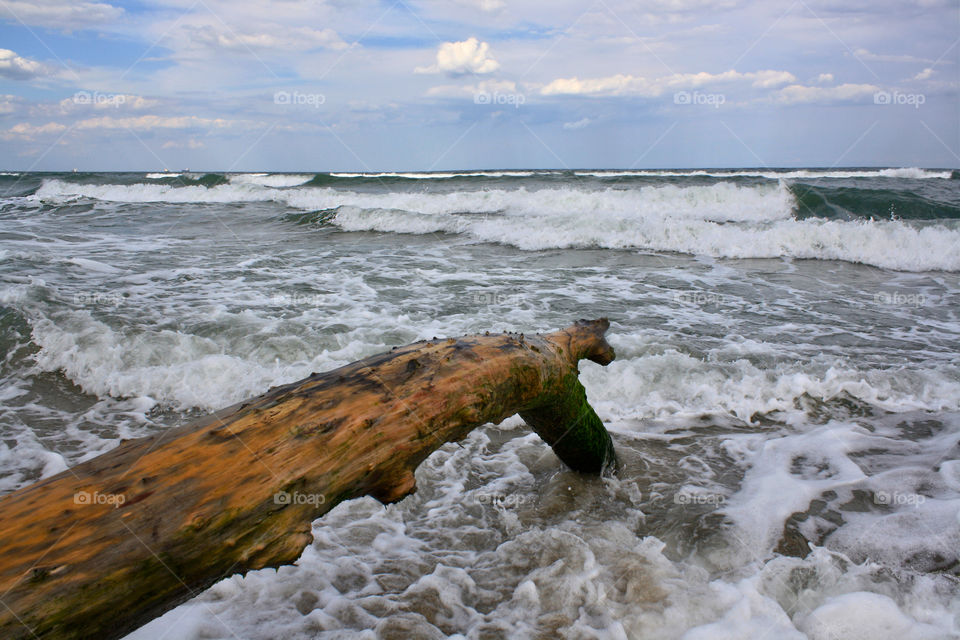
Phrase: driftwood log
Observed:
(108, 545)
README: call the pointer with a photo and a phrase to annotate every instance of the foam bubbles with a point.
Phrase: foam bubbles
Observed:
(864, 616)
(759, 408)
(278, 180)
(722, 220)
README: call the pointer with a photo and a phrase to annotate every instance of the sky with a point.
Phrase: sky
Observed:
(366, 85)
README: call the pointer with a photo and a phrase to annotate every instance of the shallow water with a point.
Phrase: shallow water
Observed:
(787, 422)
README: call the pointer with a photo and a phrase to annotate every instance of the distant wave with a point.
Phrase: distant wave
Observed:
(846, 202)
(271, 179)
(722, 220)
(720, 202)
(778, 174)
(772, 174)
(417, 175)
(887, 244)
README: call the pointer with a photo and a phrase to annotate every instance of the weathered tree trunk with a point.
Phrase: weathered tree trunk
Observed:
(104, 547)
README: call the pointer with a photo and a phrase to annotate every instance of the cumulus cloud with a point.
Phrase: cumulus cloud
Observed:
(15, 67)
(800, 94)
(926, 74)
(825, 78)
(65, 15)
(458, 58)
(625, 84)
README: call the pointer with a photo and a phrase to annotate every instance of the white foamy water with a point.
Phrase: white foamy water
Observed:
(893, 245)
(788, 430)
(689, 219)
(910, 173)
(270, 179)
(907, 172)
(439, 175)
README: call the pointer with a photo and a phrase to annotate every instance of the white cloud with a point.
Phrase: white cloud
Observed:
(101, 101)
(487, 6)
(146, 123)
(15, 67)
(65, 15)
(26, 131)
(579, 124)
(270, 37)
(613, 85)
(484, 87)
(625, 84)
(926, 74)
(864, 54)
(768, 79)
(825, 78)
(141, 123)
(800, 94)
(457, 58)
(191, 143)
(10, 104)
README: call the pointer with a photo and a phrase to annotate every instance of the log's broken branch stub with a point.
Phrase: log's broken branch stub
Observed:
(106, 546)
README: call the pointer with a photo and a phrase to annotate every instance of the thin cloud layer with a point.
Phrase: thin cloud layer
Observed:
(624, 84)
(799, 94)
(60, 14)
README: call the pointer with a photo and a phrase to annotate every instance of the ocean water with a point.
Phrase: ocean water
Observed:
(785, 401)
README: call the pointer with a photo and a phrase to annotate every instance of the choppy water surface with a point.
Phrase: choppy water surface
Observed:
(785, 400)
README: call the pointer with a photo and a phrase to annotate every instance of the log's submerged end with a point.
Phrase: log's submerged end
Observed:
(203, 501)
(565, 420)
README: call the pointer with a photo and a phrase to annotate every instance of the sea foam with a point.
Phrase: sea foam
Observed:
(723, 220)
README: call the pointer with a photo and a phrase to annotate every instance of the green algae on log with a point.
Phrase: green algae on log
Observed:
(110, 544)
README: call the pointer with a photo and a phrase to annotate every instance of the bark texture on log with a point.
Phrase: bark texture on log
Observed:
(106, 546)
